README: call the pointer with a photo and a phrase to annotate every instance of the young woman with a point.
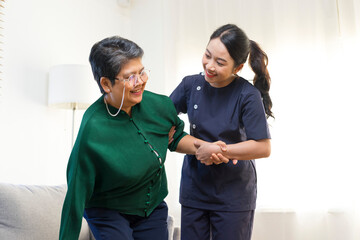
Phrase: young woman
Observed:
(219, 200)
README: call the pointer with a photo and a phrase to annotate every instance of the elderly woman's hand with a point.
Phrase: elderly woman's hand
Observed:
(171, 134)
(210, 153)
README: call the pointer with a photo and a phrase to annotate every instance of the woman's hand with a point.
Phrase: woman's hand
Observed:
(225, 159)
(207, 153)
(171, 134)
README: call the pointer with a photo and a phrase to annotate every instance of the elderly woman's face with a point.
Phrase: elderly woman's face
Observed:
(133, 93)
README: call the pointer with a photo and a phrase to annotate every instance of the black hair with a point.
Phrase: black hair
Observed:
(108, 56)
(240, 47)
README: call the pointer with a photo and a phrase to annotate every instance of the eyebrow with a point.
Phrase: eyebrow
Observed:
(221, 59)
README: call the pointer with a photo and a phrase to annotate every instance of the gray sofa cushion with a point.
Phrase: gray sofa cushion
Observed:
(33, 212)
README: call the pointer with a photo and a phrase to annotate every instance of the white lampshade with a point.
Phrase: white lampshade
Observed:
(72, 86)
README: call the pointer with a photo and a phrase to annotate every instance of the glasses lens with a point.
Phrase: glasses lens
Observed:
(144, 75)
(132, 80)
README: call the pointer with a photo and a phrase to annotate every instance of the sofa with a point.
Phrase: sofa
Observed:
(33, 212)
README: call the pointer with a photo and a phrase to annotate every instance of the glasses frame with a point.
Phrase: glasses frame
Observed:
(136, 78)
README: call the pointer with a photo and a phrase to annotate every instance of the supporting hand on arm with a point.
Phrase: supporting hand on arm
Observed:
(171, 134)
(208, 151)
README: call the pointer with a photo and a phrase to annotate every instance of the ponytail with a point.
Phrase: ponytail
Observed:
(258, 62)
(239, 47)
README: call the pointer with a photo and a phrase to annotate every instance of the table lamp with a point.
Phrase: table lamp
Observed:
(71, 86)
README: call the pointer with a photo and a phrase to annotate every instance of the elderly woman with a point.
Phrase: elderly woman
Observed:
(116, 176)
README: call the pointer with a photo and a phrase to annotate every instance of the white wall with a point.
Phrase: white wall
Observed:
(313, 49)
(35, 140)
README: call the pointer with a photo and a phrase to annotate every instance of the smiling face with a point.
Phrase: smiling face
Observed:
(218, 65)
(132, 94)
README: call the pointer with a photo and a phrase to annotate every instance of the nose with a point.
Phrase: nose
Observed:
(137, 79)
(210, 66)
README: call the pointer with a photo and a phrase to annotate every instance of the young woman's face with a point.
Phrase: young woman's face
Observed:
(133, 94)
(218, 65)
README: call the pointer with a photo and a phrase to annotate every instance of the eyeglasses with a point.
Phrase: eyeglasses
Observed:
(133, 79)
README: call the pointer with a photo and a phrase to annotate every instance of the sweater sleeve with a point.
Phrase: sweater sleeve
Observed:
(179, 127)
(80, 181)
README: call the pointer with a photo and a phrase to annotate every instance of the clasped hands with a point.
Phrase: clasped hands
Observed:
(212, 153)
(208, 153)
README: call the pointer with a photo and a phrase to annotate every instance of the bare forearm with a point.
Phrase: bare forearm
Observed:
(248, 150)
(186, 145)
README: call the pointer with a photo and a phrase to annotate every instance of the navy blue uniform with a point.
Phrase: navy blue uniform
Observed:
(232, 114)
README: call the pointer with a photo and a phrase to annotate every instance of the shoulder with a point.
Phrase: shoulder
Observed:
(191, 82)
(148, 95)
(247, 89)
(155, 99)
(93, 111)
(192, 79)
(92, 118)
(93, 108)
(157, 105)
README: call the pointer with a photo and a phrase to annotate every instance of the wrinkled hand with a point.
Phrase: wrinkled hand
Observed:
(207, 153)
(171, 134)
